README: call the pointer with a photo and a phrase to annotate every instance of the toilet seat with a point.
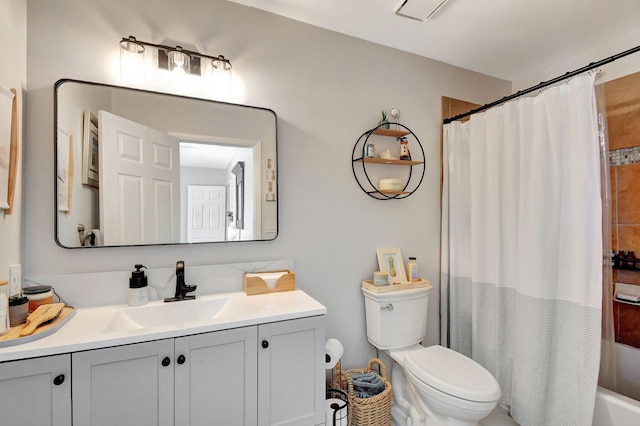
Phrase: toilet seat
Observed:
(453, 373)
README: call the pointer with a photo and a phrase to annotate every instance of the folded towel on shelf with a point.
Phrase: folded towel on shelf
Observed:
(628, 297)
(366, 385)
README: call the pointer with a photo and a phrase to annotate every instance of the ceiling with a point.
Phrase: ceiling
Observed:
(198, 154)
(507, 39)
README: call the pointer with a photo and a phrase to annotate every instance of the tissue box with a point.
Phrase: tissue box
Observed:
(261, 283)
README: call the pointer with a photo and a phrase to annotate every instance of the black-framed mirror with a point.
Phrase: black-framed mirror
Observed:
(136, 167)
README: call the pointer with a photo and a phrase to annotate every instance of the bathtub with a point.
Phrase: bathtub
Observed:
(613, 409)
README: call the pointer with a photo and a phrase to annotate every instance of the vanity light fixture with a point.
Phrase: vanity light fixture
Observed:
(175, 59)
(131, 58)
(179, 62)
(221, 65)
(420, 10)
(221, 72)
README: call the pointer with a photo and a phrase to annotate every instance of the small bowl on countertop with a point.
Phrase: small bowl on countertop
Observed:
(390, 184)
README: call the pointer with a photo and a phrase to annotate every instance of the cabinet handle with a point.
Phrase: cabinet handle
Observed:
(58, 380)
(166, 361)
(181, 359)
(265, 344)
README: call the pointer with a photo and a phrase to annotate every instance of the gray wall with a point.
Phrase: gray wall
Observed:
(326, 88)
(13, 74)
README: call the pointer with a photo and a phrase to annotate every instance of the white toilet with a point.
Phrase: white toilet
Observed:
(432, 385)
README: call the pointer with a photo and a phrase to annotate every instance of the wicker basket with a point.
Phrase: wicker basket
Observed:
(375, 410)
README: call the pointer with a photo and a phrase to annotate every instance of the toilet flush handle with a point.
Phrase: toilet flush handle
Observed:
(389, 307)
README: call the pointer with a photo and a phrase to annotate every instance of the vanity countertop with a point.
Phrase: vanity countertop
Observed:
(99, 327)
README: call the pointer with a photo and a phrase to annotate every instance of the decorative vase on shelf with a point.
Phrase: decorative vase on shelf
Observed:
(383, 123)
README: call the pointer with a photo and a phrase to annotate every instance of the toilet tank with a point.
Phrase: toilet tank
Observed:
(396, 319)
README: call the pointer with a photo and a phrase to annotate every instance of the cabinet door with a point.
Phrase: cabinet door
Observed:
(216, 379)
(36, 391)
(124, 385)
(291, 374)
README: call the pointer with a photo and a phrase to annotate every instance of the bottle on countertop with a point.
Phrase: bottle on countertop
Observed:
(412, 270)
(138, 290)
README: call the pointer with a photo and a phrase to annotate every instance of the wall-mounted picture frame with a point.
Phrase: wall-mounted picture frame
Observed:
(390, 261)
(90, 150)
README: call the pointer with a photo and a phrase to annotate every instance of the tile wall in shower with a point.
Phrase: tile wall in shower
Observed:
(623, 122)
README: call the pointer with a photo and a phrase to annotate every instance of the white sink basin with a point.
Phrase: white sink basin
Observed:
(159, 314)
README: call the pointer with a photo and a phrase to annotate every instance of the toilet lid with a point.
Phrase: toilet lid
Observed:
(453, 373)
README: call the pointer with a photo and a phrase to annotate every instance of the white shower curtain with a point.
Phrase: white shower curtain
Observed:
(522, 250)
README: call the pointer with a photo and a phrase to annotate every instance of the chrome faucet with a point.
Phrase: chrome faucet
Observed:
(181, 288)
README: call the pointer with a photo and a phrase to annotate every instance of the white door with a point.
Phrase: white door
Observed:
(139, 183)
(205, 213)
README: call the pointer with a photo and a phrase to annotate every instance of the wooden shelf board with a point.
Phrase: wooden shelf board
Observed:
(368, 284)
(395, 192)
(392, 162)
(389, 192)
(390, 132)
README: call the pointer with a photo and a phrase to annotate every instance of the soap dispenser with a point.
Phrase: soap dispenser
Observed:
(138, 290)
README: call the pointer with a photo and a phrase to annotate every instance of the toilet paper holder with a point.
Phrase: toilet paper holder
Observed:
(336, 413)
(333, 351)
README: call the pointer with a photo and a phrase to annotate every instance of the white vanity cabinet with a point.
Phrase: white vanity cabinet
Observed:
(291, 372)
(257, 375)
(36, 391)
(124, 385)
(216, 378)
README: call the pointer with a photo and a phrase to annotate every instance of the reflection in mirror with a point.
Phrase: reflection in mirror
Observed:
(238, 172)
(164, 169)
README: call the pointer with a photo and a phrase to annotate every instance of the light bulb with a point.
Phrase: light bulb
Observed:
(179, 66)
(221, 74)
(178, 60)
(131, 58)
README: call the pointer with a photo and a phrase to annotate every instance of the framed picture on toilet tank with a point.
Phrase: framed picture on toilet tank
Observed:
(390, 261)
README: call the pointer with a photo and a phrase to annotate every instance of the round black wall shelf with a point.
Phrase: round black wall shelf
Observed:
(365, 168)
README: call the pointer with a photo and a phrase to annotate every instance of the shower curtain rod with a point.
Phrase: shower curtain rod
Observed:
(544, 84)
